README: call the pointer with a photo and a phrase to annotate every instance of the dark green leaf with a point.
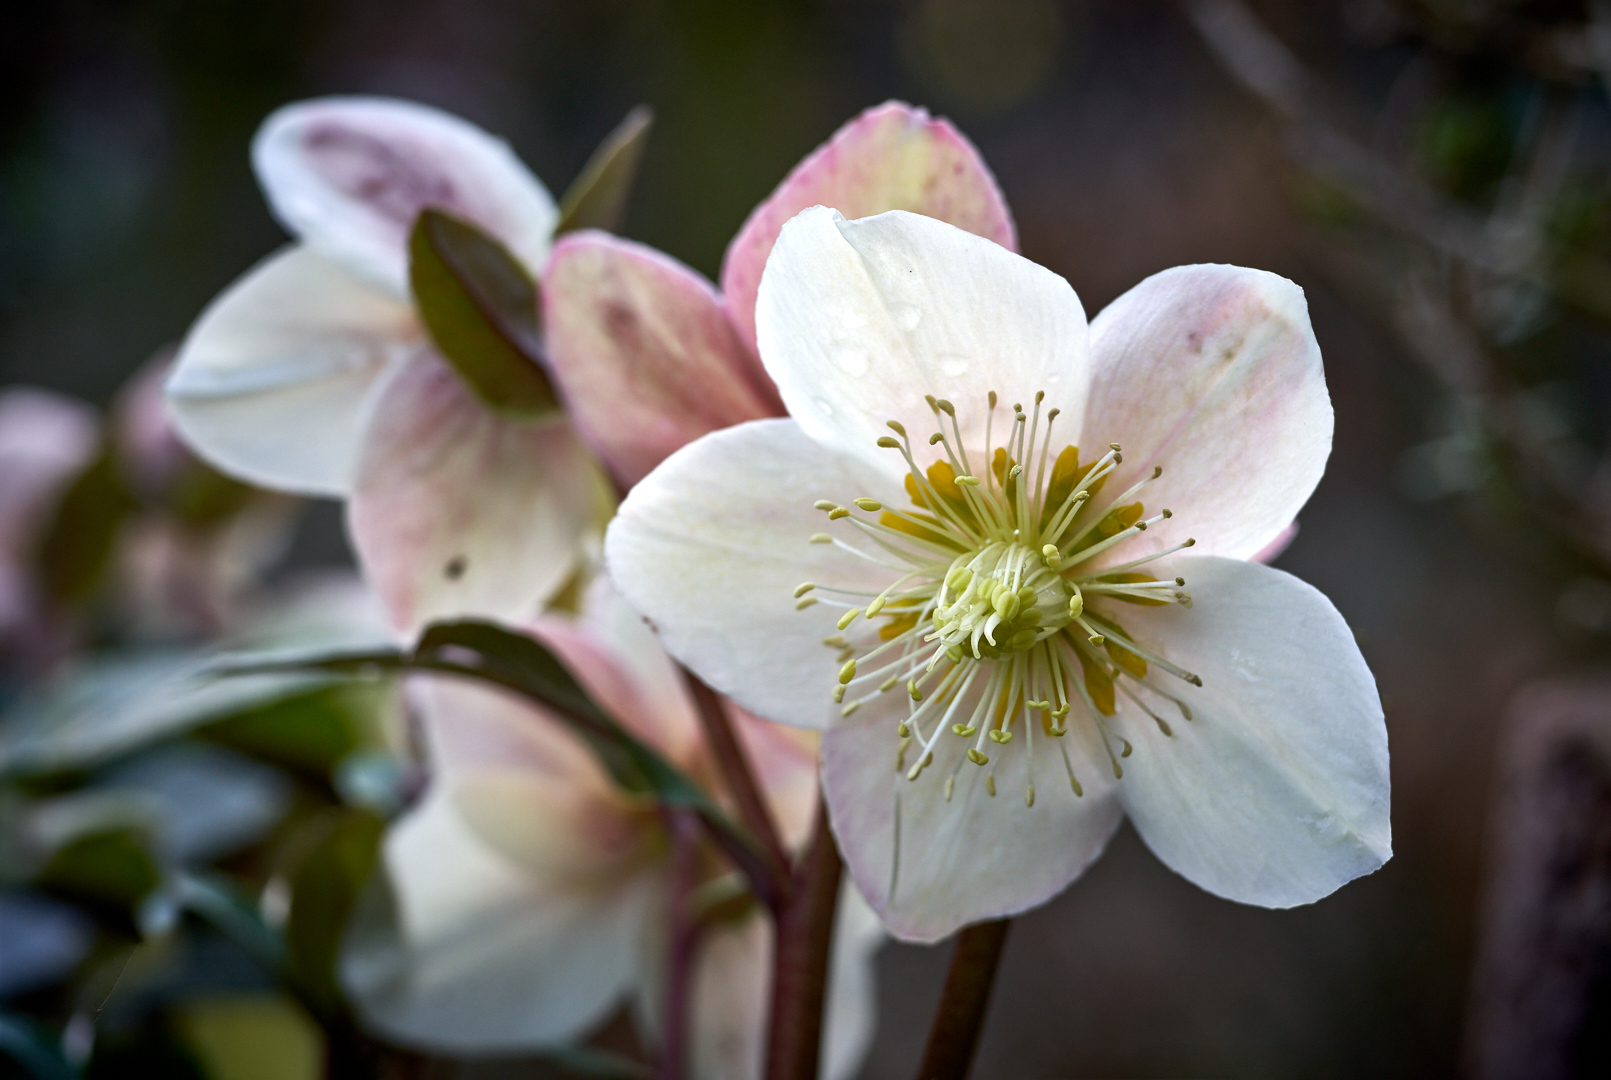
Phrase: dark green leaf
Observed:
(215, 900)
(77, 545)
(324, 890)
(480, 306)
(311, 732)
(28, 1045)
(597, 199)
(112, 867)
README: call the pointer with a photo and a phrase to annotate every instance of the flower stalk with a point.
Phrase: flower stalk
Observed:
(801, 949)
(963, 1001)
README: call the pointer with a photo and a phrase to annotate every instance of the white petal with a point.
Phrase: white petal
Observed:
(710, 546)
(528, 787)
(348, 175)
(732, 988)
(1276, 792)
(479, 957)
(1213, 373)
(977, 856)
(461, 511)
(858, 320)
(275, 381)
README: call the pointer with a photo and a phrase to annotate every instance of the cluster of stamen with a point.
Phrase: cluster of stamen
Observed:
(999, 624)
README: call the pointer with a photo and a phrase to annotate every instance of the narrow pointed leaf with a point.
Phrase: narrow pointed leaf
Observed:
(481, 650)
(480, 306)
(597, 199)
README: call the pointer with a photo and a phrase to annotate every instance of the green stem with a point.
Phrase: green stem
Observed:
(963, 1002)
(800, 951)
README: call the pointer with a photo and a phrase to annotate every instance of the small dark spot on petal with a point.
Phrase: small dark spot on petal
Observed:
(455, 568)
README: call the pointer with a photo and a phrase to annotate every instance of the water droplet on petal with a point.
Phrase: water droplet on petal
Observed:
(906, 316)
(823, 405)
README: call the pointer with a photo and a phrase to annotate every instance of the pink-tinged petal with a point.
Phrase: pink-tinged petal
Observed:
(468, 953)
(621, 664)
(461, 511)
(892, 157)
(929, 865)
(1276, 791)
(528, 787)
(1272, 551)
(710, 546)
(732, 984)
(348, 175)
(644, 353)
(1214, 374)
(858, 320)
(275, 381)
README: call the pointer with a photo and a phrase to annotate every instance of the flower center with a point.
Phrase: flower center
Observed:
(1002, 616)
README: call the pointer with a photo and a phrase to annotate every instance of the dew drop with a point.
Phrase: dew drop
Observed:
(824, 406)
(852, 357)
(906, 316)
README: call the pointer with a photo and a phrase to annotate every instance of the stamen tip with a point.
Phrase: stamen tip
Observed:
(977, 758)
(896, 427)
(889, 442)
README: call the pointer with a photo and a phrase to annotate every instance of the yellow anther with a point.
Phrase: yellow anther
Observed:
(958, 579)
(888, 442)
(1029, 796)
(954, 654)
(964, 730)
(848, 617)
(889, 684)
(834, 641)
(1079, 792)
(1098, 640)
(991, 397)
(838, 512)
(1190, 542)
(945, 406)
(848, 709)
(911, 688)
(824, 504)
(1057, 732)
(937, 437)
(1012, 473)
(1054, 558)
(801, 605)
(1167, 513)
(875, 607)
(821, 538)
(1076, 606)
(971, 481)
(895, 426)
(838, 693)
(1060, 712)
(905, 730)
(950, 786)
(803, 588)
(977, 758)
(1115, 447)
(847, 672)
(990, 785)
(869, 505)
(999, 736)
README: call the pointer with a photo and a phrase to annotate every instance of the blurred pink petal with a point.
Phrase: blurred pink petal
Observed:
(645, 353)
(893, 157)
(348, 175)
(458, 510)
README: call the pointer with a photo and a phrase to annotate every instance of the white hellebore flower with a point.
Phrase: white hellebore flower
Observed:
(313, 374)
(528, 894)
(1011, 642)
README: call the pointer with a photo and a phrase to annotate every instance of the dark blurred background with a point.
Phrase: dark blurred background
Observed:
(1433, 174)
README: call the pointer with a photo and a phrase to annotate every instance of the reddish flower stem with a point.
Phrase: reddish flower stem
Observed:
(963, 1002)
(683, 935)
(800, 951)
(739, 779)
